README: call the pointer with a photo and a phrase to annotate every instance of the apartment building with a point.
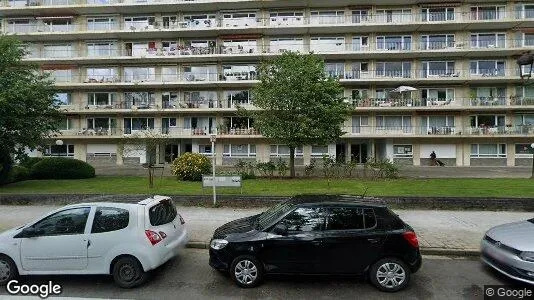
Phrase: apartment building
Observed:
(179, 69)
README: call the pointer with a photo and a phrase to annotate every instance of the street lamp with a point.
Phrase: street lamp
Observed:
(526, 59)
(213, 138)
(532, 149)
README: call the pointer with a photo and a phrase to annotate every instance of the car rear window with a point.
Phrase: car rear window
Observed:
(110, 219)
(351, 218)
(162, 213)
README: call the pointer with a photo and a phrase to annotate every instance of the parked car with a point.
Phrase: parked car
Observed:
(319, 234)
(509, 249)
(122, 239)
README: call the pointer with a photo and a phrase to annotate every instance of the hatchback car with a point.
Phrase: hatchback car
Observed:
(318, 234)
(509, 249)
(122, 239)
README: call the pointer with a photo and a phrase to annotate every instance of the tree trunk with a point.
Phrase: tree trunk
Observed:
(292, 162)
(150, 177)
(6, 163)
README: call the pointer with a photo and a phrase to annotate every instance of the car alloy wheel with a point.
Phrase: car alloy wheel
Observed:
(390, 275)
(246, 272)
(5, 270)
(128, 272)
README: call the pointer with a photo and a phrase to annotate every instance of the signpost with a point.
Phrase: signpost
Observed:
(213, 138)
(222, 181)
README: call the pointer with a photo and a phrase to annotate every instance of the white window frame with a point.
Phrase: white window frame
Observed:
(447, 11)
(500, 153)
(322, 44)
(298, 151)
(406, 152)
(496, 35)
(251, 150)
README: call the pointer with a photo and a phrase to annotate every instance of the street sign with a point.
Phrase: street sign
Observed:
(222, 181)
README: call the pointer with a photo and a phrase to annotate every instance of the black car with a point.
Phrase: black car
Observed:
(319, 234)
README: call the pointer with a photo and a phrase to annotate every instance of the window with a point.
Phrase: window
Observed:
(240, 19)
(394, 15)
(523, 150)
(487, 68)
(335, 69)
(437, 14)
(56, 150)
(488, 12)
(65, 124)
(437, 41)
(241, 150)
(138, 124)
(200, 21)
(235, 98)
(327, 44)
(528, 39)
(57, 51)
(304, 219)
(134, 23)
(360, 123)
(140, 100)
(327, 17)
(200, 73)
(204, 149)
(394, 42)
(402, 151)
(63, 99)
(286, 44)
(102, 49)
(100, 23)
(162, 213)
(394, 122)
(394, 69)
(487, 121)
(360, 16)
(239, 72)
(286, 18)
(488, 150)
(66, 222)
(488, 40)
(360, 43)
(100, 99)
(170, 22)
(319, 150)
(350, 218)
(239, 46)
(101, 75)
(437, 68)
(135, 74)
(282, 150)
(110, 219)
(528, 11)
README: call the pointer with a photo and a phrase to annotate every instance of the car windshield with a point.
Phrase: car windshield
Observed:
(272, 214)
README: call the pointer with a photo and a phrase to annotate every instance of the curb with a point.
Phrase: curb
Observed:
(424, 250)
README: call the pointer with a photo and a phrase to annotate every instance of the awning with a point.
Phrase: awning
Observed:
(440, 4)
(55, 17)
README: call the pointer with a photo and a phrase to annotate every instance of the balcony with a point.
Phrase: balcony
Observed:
(439, 131)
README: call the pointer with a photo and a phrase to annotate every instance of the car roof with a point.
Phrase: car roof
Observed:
(315, 199)
(144, 202)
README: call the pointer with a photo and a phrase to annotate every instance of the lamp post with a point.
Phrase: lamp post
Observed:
(213, 138)
(58, 143)
(532, 150)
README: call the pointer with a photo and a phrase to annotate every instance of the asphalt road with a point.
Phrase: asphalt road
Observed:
(188, 276)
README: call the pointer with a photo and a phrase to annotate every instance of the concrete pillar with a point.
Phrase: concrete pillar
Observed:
(120, 154)
(306, 154)
(219, 149)
(459, 155)
(348, 151)
(467, 154)
(510, 155)
(416, 150)
(80, 152)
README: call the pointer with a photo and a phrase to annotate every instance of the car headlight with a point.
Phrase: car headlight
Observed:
(218, 244)
(527, 256)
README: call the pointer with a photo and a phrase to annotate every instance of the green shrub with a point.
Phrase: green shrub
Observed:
(282, 167)
(385, 168)
(28, 162)
(191, 166)
(62, 168)
(266, 168)
(18, 173)
(309, 169)
(245, 169)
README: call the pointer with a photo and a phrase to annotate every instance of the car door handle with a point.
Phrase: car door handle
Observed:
(88, 243)
(317, 243)
(374, 240)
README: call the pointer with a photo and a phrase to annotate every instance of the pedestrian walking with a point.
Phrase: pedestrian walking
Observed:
(435, 160)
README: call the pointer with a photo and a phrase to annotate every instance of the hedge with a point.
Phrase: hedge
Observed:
(62, 168)
(18, 173)
(28, 162)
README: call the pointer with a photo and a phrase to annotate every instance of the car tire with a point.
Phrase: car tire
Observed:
(247, 271)
(8, 269)
(128, 272)
(389, 274)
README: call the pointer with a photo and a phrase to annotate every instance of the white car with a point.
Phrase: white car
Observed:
(122, 239)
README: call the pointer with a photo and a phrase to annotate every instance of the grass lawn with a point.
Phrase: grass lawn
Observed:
(509, 187)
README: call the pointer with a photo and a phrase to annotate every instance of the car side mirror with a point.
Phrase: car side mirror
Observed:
(280, 229)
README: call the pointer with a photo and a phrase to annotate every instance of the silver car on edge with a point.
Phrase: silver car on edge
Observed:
(509, 249)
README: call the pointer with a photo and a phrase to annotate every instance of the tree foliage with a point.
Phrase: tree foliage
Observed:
(298, 103)
(28, 113)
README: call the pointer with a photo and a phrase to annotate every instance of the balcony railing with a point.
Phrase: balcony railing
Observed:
(166, 131)
(180, 50)
(440, 130)
(220, 22)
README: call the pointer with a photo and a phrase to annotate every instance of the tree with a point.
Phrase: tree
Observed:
(28, 109)
(297, 103)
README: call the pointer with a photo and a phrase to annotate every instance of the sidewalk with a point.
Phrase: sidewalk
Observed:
(439, 232)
